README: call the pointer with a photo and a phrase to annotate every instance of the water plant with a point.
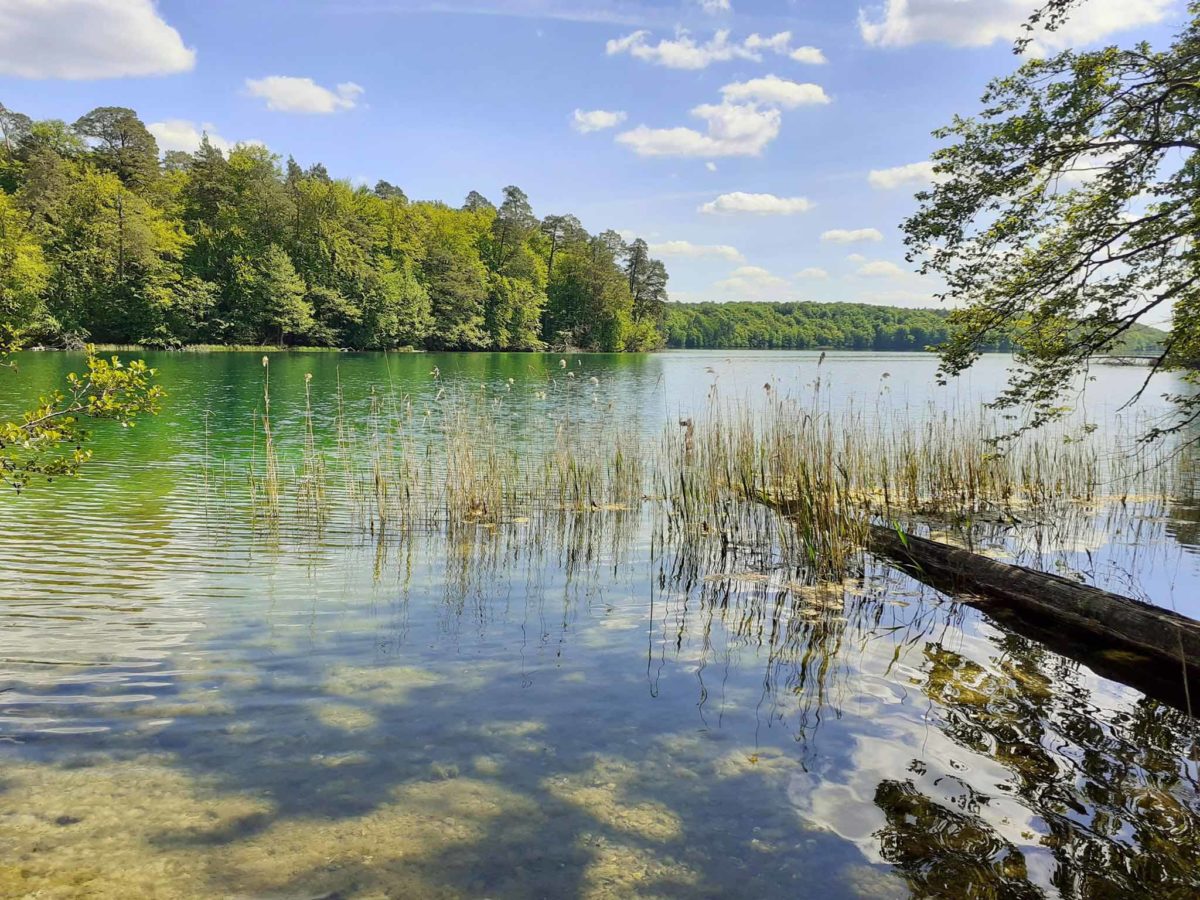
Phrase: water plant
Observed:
(473, 457)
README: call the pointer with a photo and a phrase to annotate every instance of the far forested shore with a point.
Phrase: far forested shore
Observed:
(840, 326)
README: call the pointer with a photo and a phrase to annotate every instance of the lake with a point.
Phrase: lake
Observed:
(197, 700)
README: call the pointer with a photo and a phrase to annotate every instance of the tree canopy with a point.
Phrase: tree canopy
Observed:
(1065, 214)
(102, 239)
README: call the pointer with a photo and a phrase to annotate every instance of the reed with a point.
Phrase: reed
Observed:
(265, 488)
(311, 486)
(471, 458)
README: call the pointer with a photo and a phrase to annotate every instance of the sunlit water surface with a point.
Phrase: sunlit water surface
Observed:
(564, 706)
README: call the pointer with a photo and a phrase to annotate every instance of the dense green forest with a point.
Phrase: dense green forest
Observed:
(839, 326)
(104, 239)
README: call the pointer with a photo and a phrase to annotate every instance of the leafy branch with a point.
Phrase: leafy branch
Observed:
(48, 441)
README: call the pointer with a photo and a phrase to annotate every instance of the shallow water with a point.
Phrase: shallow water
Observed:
(566, 705)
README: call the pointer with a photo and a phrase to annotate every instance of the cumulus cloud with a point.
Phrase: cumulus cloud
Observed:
(285, 93)
(695, 251)
(813, 272)
(753, 283)
(185, 135)
(733, 129)
(809, 56)
(742, 124)
(757, 204)
(881, 268)
(851, 235)
(685, 52)
(977, 23)
(775, 90)
(715, 7)
(745, 121)
(918, 174)
(83, 39)
(596, 120)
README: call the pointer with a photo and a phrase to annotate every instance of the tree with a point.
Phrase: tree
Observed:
(589, 303)
(647, 282)
(123, 145)
(23, 274)
(1065, 213)
(514, 313)
(476, 202)
(115, 258)
(396, 312)
(14, 129)
(278, 294)
(513, 224)
(560, 230)
(455, 277)
(53, 135)
(387, 191)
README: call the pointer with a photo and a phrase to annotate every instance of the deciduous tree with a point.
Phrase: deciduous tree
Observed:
(1065, 213)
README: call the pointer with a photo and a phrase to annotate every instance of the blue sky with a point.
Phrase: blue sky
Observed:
(767, 150)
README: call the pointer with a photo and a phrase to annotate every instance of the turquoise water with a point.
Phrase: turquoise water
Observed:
(565, 705)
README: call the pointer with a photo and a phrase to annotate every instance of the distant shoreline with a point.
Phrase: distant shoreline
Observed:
(270, 349)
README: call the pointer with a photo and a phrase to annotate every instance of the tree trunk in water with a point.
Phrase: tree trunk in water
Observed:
(1154, 650)
(1149, 648)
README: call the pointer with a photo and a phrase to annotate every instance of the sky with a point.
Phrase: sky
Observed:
(766, 149)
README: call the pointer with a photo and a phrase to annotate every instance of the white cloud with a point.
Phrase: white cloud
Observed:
(881, 268)
(733, 130)
(809, 56)
(83, 39)
(813, 272)
(753, 283)
(851, 235)
(185, 135)
(757, 204)
(918, 174)
(776, 91)
(711, 166)
(685, 52)
(694, 251)
(977, 23)
(715, 7)
(780, 43)
(596, 120)
(856, 258)
(285, 93)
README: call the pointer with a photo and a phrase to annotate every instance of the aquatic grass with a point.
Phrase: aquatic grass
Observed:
(467, 458)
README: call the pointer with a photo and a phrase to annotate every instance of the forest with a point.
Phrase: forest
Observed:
(839, 326)
(104, 239)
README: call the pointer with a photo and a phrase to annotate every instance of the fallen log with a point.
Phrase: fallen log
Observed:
(1154, 650)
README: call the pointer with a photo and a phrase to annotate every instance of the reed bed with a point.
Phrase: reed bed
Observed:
(465, 459)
